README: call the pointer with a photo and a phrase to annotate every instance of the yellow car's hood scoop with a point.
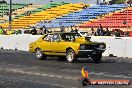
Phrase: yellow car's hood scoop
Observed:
(83, 40)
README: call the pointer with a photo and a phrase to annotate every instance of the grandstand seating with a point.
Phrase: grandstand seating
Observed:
(79, 17)
(51, 13)
(4, 8)
(113, 20)
(21, 12)
(58, 14)
(41, 8)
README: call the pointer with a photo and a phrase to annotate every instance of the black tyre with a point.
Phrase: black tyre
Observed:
(70, 56)
(97, 58)
(40, 55)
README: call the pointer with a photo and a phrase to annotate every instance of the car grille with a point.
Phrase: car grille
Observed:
(91, 47)
(94, 46)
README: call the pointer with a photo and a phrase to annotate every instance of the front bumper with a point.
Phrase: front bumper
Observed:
(89, 53)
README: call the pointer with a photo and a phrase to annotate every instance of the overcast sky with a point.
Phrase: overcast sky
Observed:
(47, 1)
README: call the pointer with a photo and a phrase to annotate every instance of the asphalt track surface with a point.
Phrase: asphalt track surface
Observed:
(19, 69)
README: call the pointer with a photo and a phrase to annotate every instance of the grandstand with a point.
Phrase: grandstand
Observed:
(56, 14)
(4, 10)
(113, 20)
(85, 15)
(48, 12)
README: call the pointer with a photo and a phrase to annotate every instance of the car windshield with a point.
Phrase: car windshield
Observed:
(83, 33)
(69, 36)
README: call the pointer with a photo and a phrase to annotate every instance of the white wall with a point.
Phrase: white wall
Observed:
(19, 42)
(128, 47)
(120, 47)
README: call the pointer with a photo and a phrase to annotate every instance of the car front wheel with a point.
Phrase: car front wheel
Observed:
(40, 55)
(70, 55)
(97, 58)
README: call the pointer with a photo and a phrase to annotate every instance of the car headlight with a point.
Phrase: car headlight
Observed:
(82, 47)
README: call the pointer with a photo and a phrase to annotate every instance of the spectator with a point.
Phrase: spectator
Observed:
(126, 34)
(100, 26)
(102, 32)
(33, 31)
(107, 32)
(116, 33)
(62, 28)
(92, 32)
(76, 30)
(40, 31)
(27, 32)
(98, 32)
(72, 29)
(1, 31)
(45, 31)
(19, 31)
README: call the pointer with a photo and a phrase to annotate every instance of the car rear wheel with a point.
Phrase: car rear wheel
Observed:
(97, 58)
(40, 55)
(70, 56)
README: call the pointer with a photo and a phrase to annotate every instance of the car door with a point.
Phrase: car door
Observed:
(58, 47)
(46, 44)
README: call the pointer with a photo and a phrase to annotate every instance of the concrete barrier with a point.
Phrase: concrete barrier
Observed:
(128, 47)
(120, 47)
(116, 46)
(17, 42)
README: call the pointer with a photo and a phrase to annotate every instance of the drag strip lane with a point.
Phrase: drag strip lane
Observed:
(17, 65)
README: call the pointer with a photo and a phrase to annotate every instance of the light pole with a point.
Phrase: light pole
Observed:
(10, 12)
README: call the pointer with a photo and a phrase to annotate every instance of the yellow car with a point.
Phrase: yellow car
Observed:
(68, 45)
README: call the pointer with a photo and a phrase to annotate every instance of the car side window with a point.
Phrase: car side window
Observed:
(48, 38)
(67, 37)
(56, 38)
(70, 38)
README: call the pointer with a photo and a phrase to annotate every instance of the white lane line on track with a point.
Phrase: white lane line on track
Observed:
(111, 75)
(28, 80)
(99, 74)
(35, 73)
(64, 77)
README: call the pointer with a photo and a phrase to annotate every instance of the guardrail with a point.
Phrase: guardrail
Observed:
(116, 46)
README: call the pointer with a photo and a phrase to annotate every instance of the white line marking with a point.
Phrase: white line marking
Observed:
(40, 82)
(110, 75)
(35, 73)
(99, 74)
